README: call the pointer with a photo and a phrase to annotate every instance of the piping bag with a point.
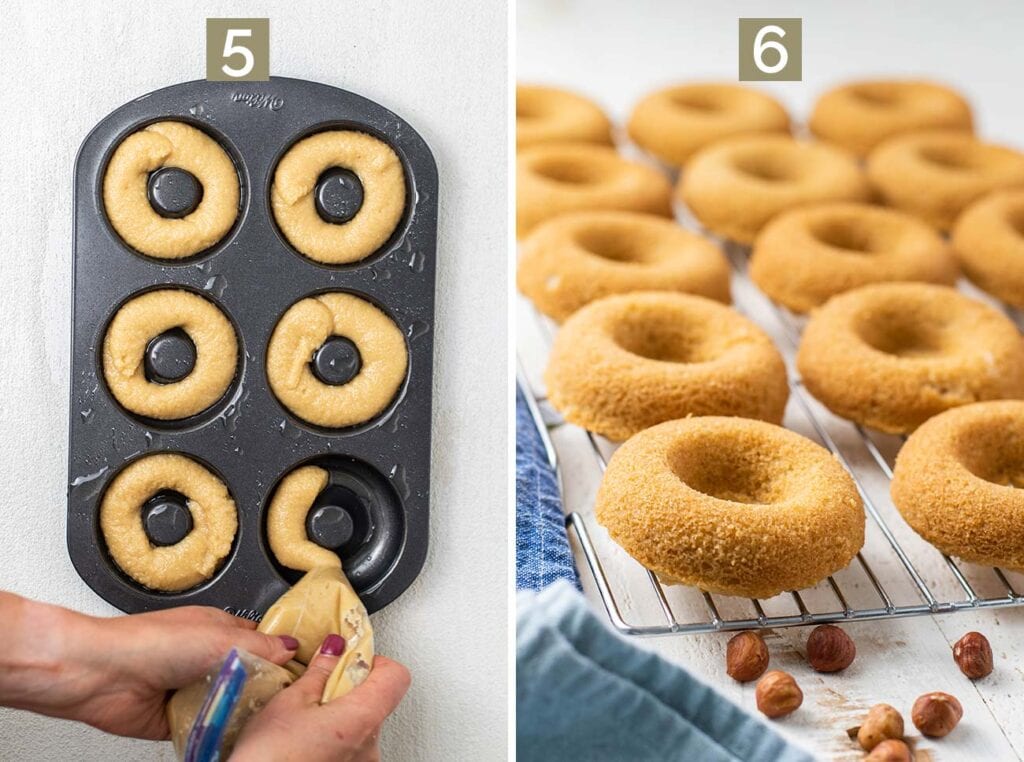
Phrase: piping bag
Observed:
(207, 716)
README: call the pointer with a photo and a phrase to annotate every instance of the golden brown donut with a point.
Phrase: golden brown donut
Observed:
(958, 482)
(629, 361)
(379, 170)
(936, 174)
(806, 256)
(199, 554)
(145, 317)
(988, 239)
(860, 115)
(572, 260)
(676, 122)
(569, 177)
(731, 506)
(734, 187)
(549, 115)
(305, 326)
(892, 355)
(126, 198)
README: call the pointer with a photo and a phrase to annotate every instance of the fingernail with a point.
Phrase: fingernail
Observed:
(333, 645)
(289, 642)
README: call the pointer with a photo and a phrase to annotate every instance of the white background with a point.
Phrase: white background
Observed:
(441, 66)
(615, 53)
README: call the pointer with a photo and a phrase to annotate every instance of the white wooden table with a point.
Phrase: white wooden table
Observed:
(615, 55)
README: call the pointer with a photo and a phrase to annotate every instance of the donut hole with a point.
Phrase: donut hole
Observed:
(724, 467)
(905, 335)
(568, 171)
(955, 158)
(615, 244)
(698, 100)
(666, 338)
(1015, 219)
(846, 234)
(768, 167)
(878, 96)
(527, 110)
(994, 453)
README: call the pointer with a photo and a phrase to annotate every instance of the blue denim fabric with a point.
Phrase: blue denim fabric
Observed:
(542, 548)
(584, 693)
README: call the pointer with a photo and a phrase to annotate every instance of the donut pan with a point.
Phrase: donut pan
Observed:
(374, 512)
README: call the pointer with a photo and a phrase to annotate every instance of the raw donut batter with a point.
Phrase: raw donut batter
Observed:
(147, 316)
(286, 520)
(195, 558)
(292, 196)
(321, 603)
(304, 327)
(126, 199)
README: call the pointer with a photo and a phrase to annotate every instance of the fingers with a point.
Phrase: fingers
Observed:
(379, 695)
(276, 648)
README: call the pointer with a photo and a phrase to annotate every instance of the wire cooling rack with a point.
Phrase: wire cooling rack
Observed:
(897, 589)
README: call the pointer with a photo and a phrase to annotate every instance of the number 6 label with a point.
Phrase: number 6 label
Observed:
(771, 50)
(238, 50)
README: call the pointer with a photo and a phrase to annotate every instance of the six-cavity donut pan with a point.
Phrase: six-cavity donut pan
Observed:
(374, 512)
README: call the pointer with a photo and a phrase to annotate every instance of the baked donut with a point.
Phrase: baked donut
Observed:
(549, 115)
(988, 240)
(572, 260)
(286, 520)
(892, 355)
(381, 175)
(731, 506)
(734, 187)
(629, 361)
(126, 190)
(936, 174)
(304, 327)
(806, 256)
(860, 115)
(570, 177)
(144, 318)
(676, 122)
(958, 482)
(195, 558)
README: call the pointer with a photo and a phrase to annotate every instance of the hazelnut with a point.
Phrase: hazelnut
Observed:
(778, 694)
(829, 649)
(892, 750)
(936, 714)
(882, 723)
(973, 655)
(746, 657)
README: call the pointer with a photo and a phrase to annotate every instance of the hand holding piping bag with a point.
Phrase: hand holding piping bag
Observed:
(323, 614)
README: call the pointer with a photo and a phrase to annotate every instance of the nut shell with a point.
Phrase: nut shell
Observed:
(829, 649)
(746, 657)
(892, 750)
(936, 714)
(882, 724)
(973, 654)
(778, 694)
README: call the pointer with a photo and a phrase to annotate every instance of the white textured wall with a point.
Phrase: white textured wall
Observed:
(442, 66)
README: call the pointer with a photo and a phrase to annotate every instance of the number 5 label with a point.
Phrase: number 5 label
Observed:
(238, 50)
(771, 49)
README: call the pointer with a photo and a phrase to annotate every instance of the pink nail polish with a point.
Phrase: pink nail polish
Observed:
(289, 642)
(333, 645)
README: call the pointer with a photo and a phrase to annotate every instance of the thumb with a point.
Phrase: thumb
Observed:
(311, 685)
